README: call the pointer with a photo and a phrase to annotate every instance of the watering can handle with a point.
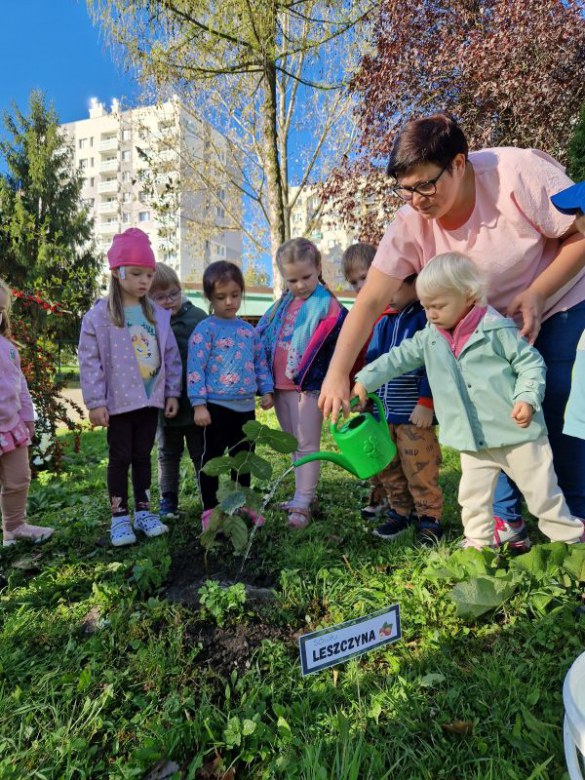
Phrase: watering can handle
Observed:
(354, 401)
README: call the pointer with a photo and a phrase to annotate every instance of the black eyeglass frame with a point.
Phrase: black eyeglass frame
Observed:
(412, 190)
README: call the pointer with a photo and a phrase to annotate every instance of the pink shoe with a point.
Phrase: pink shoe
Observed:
(27, 533)
(256, 519)
(298, 518)
(205, 519)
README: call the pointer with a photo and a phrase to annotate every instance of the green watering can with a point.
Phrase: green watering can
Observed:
(365, 444)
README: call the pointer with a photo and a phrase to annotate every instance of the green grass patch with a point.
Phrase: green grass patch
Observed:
(102, 677)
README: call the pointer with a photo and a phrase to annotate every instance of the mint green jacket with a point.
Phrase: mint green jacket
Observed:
(475, 392)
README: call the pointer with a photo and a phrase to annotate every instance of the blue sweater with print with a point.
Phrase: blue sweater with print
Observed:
(226, 362)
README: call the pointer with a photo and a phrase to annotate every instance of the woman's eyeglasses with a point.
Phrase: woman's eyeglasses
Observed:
(425, 188)
(170, 296)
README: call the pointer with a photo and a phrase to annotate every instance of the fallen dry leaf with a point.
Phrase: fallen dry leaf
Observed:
(463, 728)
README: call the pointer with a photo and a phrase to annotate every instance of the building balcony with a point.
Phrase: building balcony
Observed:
(109, 165)
(108, 228)
(110, 185)
(108, 145)
(108, 207)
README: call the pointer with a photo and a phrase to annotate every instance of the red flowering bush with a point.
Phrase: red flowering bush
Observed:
(38, 360)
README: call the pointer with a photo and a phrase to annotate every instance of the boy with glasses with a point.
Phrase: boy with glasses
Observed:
(173, 433)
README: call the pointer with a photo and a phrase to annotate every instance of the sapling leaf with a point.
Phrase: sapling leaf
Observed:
(262, 434)
(235, 528)
(248, 462)
(232, 502)
(481, 594)
(218, 466)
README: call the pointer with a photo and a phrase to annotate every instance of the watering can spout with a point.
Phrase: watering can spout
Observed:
(334, 457)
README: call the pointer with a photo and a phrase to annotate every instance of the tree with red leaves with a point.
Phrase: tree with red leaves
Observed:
(511, 71)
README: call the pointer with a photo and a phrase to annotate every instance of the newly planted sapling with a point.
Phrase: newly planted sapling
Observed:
(239, 504)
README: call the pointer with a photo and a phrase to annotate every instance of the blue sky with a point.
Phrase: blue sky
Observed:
(53, 45)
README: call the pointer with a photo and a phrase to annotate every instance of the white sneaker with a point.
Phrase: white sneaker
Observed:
(121, 532)
(149, 524)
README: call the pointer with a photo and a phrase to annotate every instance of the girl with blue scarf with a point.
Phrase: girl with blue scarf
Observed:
(299, 332)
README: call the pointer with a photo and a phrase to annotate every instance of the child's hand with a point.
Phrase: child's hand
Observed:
(30, 426)
(99, 416)
(360, 391)
(522, 414)
(202, 416)
(421, 416)
(171, 407)
(267, 401)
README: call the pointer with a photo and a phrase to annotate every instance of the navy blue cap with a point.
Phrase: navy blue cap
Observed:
(571, 200)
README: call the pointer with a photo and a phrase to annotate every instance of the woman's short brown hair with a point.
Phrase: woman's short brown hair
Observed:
(431, 139)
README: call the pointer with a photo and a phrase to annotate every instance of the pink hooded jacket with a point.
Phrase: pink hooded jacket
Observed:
(15, 401)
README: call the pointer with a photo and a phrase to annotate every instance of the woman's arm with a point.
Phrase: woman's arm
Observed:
(569, 260)
(370, 303)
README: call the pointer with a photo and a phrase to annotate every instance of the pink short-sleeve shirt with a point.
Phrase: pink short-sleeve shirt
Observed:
(512, 235)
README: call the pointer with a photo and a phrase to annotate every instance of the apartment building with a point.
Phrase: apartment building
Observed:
(158, 168)
(325, 230)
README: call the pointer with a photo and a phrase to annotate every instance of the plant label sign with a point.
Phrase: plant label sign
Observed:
(336, 644)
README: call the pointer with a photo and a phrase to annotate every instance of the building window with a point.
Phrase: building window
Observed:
(91, 181)
(91, 163)
(126, 217)
(126, 135)
(82, 164)
(142, 196)
(82, 143)
(126, 156)
(127, 197)
(126, 177)
(91, 141)
(144, 216)
(219, 250)
(220, 212)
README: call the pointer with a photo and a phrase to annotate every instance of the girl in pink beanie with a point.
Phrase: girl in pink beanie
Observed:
(130, 368)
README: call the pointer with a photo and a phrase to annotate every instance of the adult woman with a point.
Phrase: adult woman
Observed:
(493, 206)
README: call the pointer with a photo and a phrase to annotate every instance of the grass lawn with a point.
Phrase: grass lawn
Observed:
(103, 676)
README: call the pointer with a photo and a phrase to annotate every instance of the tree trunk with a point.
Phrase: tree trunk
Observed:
(271, 162)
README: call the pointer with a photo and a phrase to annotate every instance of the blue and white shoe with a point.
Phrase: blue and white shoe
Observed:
(121, 532)
(149, 524)
(169, 507)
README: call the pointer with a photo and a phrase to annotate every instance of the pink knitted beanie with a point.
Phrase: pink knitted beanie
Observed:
(132, 247)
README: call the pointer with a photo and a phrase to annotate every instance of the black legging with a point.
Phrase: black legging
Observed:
(130, 442)
(225, 431)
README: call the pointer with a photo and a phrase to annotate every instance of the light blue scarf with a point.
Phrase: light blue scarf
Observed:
(311, 313)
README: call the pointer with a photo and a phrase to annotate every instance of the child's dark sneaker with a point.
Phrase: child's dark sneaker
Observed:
(149, 524)
(121, 532)
(169, 506)
(428, 530)
(373, 511)
(511, 532)
(394, 526)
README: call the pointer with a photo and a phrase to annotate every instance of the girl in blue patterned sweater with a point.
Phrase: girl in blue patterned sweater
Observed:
(226, 368)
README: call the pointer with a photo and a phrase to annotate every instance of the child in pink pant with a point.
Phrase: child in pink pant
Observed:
(299, 333)
(16, 431)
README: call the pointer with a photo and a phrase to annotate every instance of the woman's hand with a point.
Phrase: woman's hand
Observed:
(201, 415)
(99, 416)
(530, 305)
(171, 407)
(334, 396)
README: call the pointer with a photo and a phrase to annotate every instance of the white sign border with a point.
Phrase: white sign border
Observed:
(394, 609)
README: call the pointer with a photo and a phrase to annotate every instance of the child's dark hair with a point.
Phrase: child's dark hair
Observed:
(357, 255)
(220, 272)
(410, 279)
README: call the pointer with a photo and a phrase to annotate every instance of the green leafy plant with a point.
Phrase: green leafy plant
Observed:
(221, 602)
(228, 519)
